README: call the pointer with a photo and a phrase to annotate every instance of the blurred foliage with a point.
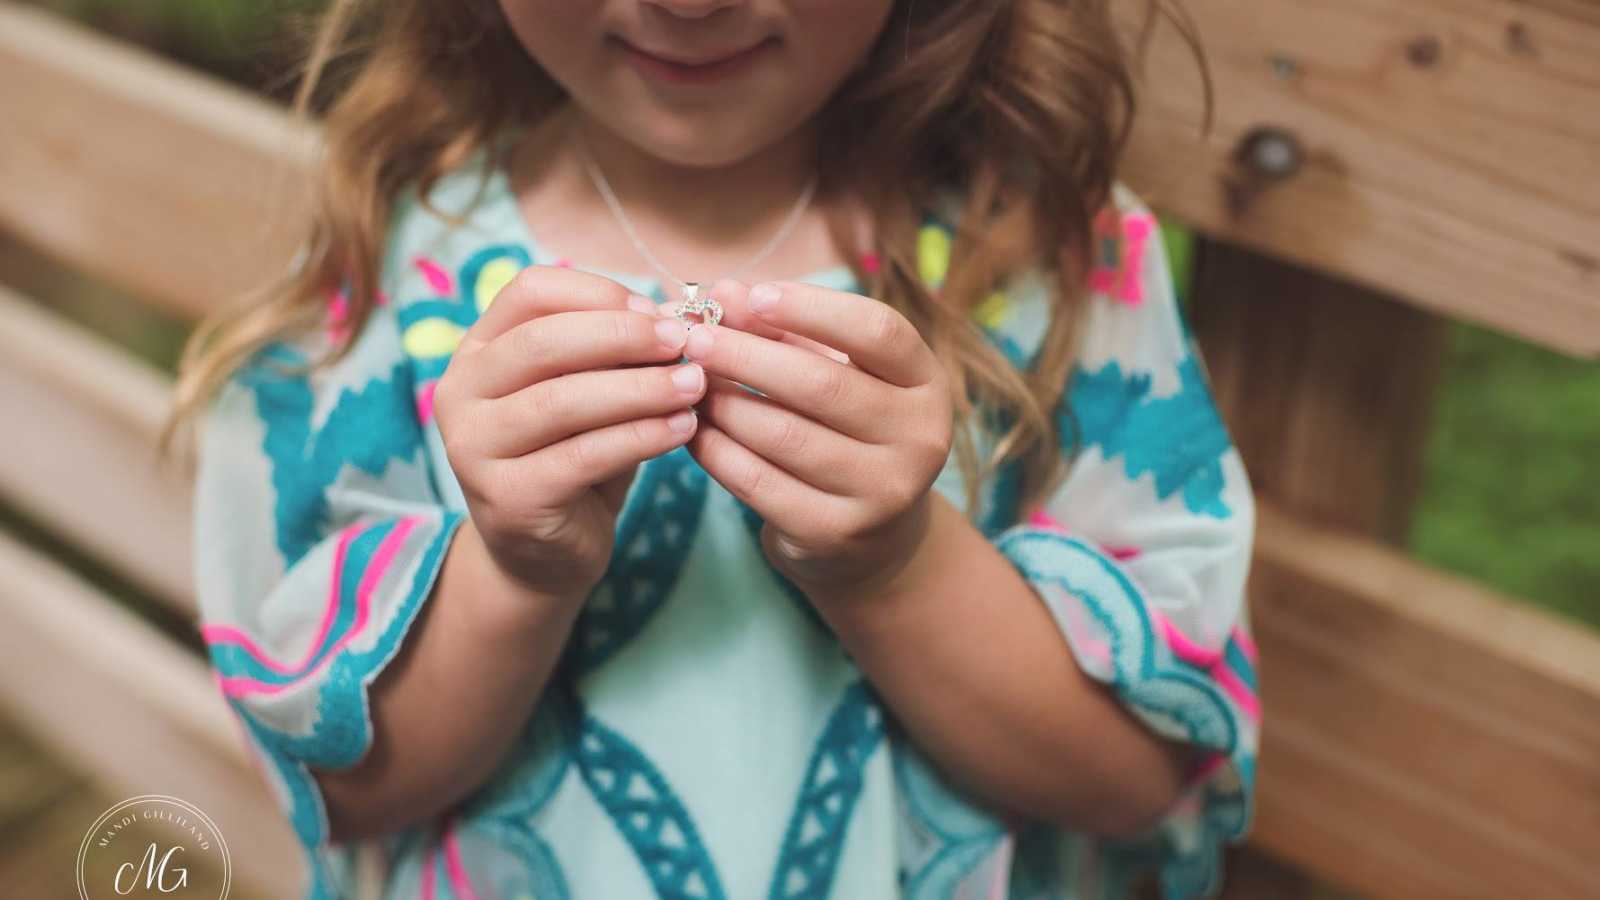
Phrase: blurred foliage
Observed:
(249, 43)
(1507, 498)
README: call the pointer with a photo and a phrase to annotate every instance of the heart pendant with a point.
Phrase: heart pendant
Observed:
(696, 303)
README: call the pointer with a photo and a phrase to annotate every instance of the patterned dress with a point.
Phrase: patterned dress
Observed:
(705, 735)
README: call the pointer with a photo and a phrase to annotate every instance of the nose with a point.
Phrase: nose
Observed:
(692, 9)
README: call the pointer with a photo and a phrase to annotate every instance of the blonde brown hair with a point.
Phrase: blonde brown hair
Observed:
(1021, 107)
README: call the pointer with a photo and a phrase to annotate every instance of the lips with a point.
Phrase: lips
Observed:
(683, 68)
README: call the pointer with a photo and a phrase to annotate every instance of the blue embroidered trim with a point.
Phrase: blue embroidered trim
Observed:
(649, 815)
(1148, 677)
(231, 660)
(1144, 672)
(833, 782)
(654, 532)
(367, 429)
(343, 729)
(965, 834)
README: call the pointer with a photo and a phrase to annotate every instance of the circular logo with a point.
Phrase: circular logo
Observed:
(154, 846)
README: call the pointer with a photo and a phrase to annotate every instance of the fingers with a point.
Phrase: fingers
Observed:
(567, 342)
(541, 291)
(773, 493)
(565, 469)
(878, 339)
(837, 395)
(730, 294)
(812, 452)
(556, 409)
(733, 296)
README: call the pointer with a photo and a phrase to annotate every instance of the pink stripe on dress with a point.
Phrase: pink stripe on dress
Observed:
(459, 882)
(240, 686)
(227, 634)
(427, 888)
(1214, 662)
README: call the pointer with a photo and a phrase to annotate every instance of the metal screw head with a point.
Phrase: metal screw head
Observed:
(1270, 152)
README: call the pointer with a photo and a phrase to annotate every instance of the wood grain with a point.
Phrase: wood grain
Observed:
(132, 710)
(1452, 149)
(1425, 738)
(85, 465)
(179, 188)
(1327, 388)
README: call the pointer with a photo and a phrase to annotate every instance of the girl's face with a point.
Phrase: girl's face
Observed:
(698, 82)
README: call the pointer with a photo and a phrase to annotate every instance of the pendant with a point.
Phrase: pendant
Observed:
(696, 303)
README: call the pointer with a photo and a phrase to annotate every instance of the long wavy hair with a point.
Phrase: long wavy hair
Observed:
(1020, 107)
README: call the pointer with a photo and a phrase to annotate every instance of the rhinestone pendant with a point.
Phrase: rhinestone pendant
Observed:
(696, 303)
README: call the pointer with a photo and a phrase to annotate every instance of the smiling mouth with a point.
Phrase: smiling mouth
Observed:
(697, 72)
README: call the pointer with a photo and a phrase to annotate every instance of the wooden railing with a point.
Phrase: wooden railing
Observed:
(1425, 738)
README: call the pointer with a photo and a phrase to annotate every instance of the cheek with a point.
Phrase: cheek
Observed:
(562, 36)
(831, 37)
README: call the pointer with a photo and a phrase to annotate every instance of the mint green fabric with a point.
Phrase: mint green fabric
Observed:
(706, 736)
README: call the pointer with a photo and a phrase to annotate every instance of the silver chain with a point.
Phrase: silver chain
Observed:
(604, 187)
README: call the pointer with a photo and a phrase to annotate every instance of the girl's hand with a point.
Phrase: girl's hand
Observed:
(839, 454)
(549, 404)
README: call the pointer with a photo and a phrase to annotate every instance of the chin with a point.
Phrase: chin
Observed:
(700, 146)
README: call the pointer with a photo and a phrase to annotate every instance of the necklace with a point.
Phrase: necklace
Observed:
(694, 302)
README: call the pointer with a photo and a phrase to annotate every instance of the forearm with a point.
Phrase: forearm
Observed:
(972, 663)
(447, 708)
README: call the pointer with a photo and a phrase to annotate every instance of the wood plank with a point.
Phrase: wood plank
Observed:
(1450, 149)
(85, 464)
(37, 862)
(1425, 738)
(132, 710)
(162, 181)
(1326, 387)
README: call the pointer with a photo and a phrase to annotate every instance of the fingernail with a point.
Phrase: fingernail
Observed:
(671, 332)
(688, 379)
(682, 422)
(698, 344)
(763, 297)
(641, 304)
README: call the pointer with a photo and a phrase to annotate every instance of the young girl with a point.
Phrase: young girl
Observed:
(920, 574)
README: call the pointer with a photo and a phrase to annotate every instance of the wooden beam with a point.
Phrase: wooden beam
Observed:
(1326, 387)
(1425, 738)
(132, 710)
(1450, 149)
(157, 179)
(83, 460)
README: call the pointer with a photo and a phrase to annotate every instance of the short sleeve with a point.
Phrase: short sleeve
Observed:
(1142, 553)
(318, 536)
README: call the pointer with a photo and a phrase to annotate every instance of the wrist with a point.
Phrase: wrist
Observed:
(886, 566)
(503, 602)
